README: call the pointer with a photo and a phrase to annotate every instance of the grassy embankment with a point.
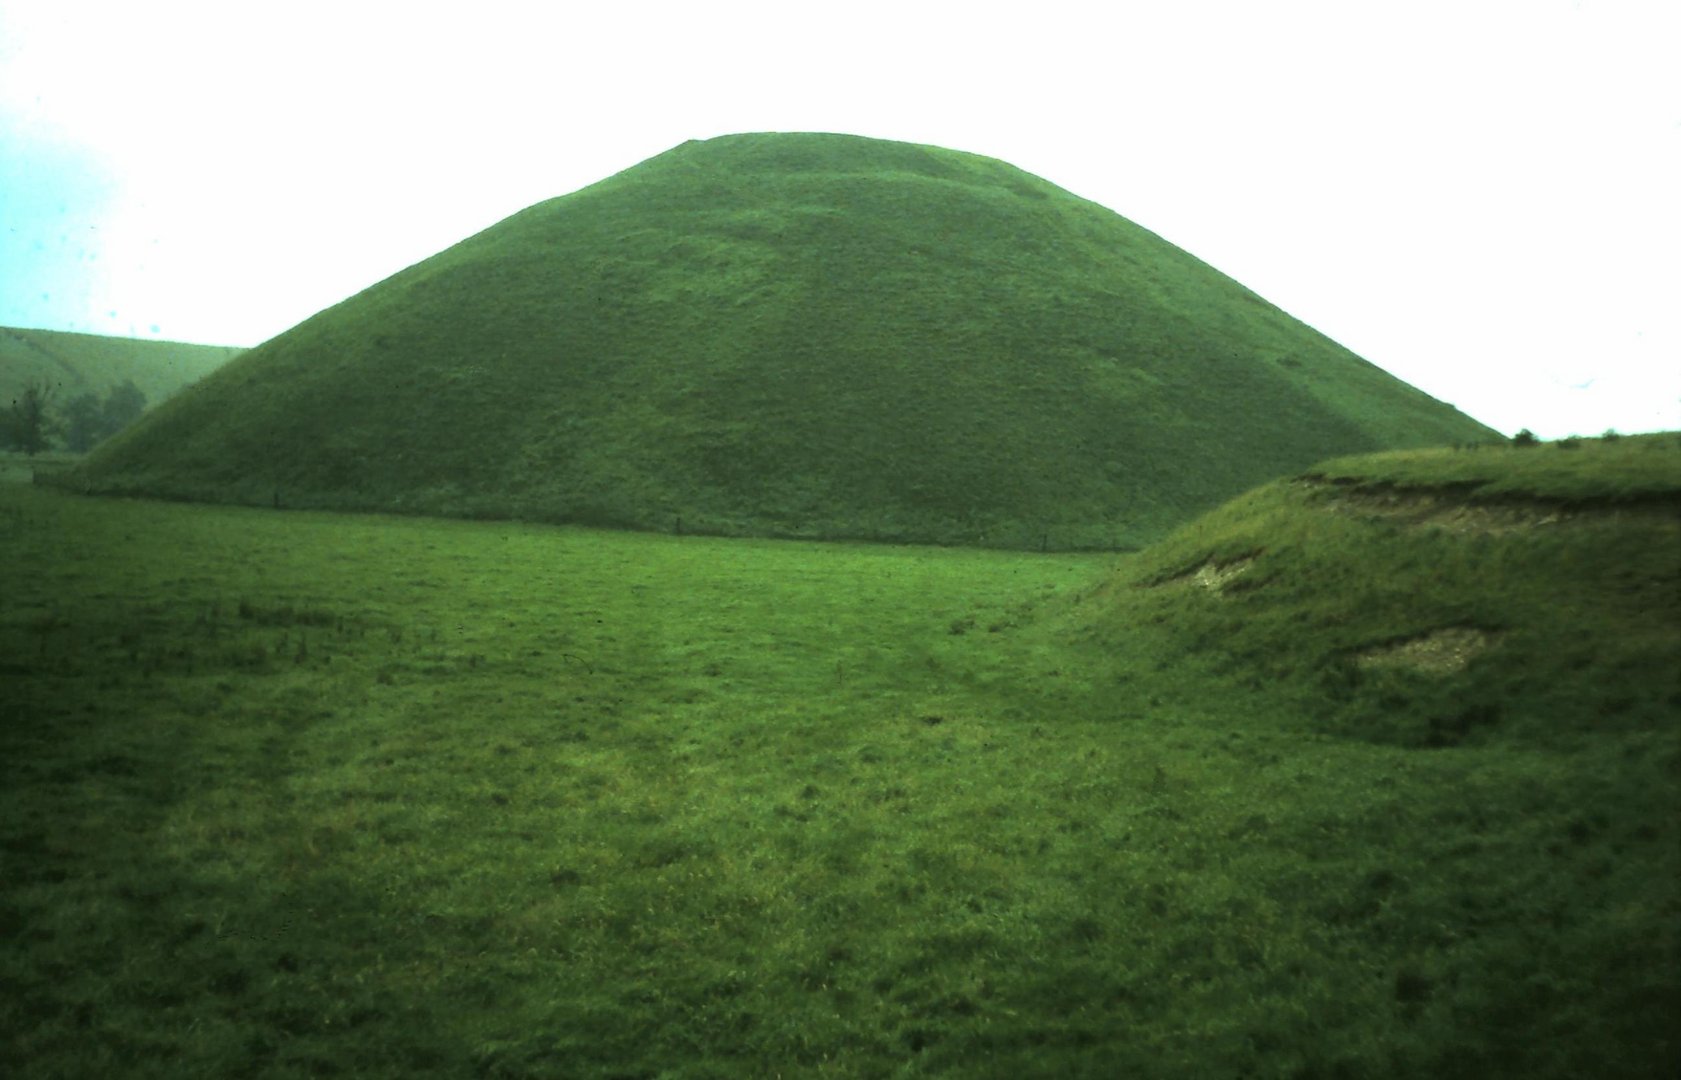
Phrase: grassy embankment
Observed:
(302, 794)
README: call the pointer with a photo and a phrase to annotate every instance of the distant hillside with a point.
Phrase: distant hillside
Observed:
(73, 364)
(789, 335)
(1434, 598)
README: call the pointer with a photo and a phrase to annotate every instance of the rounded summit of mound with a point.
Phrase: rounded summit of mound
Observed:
(788, 335)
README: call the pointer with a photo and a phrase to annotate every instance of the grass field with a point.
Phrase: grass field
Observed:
(298, 794)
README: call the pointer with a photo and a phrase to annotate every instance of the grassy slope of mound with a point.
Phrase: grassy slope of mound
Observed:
(790, 335)
(1500, 623)
(1439, 598)
(73, 364)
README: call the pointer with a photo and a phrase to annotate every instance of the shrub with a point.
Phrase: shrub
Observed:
(88, 421)
(28, 426)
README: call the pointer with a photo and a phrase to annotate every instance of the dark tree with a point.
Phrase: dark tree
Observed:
(123, 406)
(83, 422)
(89, 421)
(29, 427)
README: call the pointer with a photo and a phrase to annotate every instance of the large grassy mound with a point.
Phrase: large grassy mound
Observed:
(71, 364)
(790, 335)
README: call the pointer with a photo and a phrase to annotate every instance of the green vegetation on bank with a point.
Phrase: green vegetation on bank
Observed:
(303, 794)
(792, 335)
(1551, 607)
(1613, 468)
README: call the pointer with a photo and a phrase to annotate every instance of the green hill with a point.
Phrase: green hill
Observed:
(789, 335)
(72, 364)
(1498, 628)
(1436, 598)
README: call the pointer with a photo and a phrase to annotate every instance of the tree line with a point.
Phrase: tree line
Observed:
(33, 423)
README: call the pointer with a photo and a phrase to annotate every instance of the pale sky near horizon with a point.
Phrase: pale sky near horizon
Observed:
(1482, 197)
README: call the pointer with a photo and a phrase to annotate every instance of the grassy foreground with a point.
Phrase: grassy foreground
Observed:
(312, 795)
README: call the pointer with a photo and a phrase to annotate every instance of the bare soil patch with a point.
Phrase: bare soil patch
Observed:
(1211, 575)
(1440, 652)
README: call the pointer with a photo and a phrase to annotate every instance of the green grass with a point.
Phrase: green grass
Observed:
(305, 794)
(17, 467)
(1568, 562)
(1627, 468)
(73, 364)
(789, 335)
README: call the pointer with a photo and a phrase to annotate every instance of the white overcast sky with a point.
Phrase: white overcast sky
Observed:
(1480, 196)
